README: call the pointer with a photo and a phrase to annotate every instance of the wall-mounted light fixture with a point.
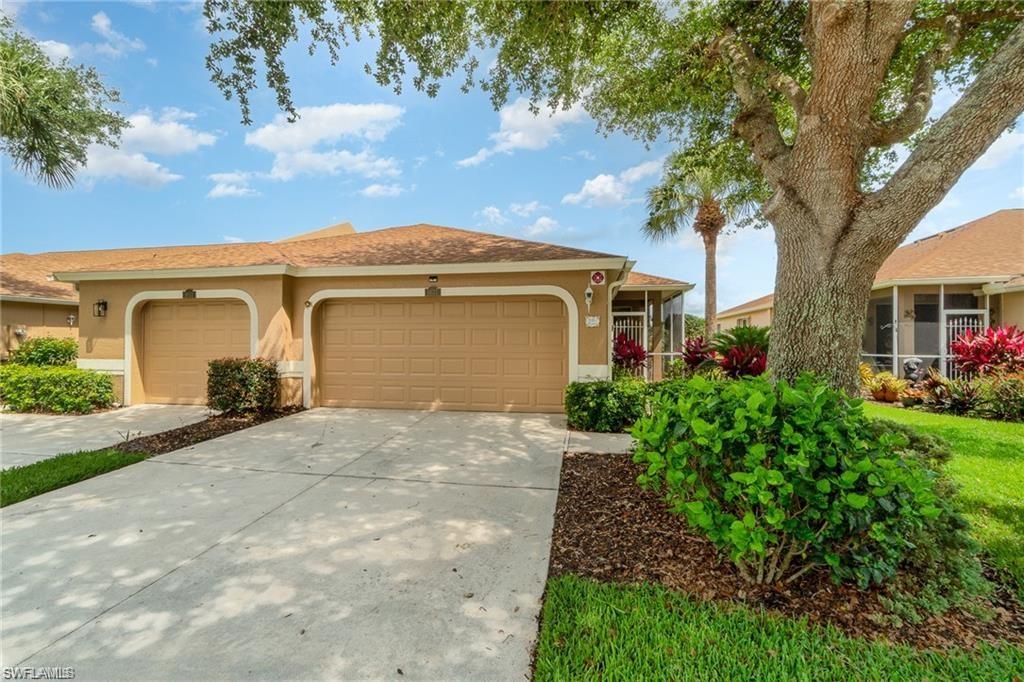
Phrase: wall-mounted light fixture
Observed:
(588, 297)
(99, 309)
(432, 279)
(71, 319)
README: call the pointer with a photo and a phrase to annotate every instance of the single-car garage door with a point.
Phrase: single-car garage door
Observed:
(473, 353)
(179, 340)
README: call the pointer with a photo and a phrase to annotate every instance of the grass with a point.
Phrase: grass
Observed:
(594, 630)
(988, 463)
(21, 483)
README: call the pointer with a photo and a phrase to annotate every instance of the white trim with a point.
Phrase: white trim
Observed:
(684, 286)
(523, 290)
(176, 294)
(7, 298)
(594, 373)
(609, 263)
(289, 369)
(106, 366)
(940, 280)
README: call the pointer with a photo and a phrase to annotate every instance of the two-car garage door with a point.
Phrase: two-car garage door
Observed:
(473, 353)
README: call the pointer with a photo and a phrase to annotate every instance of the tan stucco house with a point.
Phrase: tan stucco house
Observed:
(930, 291)
(419, 316)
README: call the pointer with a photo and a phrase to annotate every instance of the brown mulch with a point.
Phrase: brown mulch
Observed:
(211, 427)
(609, 529)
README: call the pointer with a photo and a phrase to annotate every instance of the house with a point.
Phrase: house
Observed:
(419, 316)
(932, 290)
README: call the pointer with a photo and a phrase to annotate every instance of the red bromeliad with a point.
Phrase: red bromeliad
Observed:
(740, 361)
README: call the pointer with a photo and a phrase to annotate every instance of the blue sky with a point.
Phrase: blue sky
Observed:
(188, 172)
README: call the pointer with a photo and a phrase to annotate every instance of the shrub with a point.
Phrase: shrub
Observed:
(1003, 396)
(627, 354)
(743, 337)
(996, 349)
(785, 477)
(697, 353)
(955, 396)
(25, 388)
(744, 361)
(45, 352)
(242, 385)
(605, 406)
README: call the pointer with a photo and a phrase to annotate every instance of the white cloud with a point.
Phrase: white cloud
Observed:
(327, 124)
(105, 162)
(491, 215)
(288, 165)
(524, 210)
(164, 134)
(604, 190)
(520, 128)
(1018, 193)
(117, 43)
(55, 50)
(234, 184)
(1008, 146)
(233, 240)
(540, 226)
(378, 191)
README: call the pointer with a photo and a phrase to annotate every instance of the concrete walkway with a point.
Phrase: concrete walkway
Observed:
(333, 544)
(27, 438)
(598, 443)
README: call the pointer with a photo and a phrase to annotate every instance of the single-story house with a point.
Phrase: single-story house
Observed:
(932, 290)
(419, 316)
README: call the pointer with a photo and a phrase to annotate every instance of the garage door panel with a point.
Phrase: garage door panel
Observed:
(472, 353)
(179, 340)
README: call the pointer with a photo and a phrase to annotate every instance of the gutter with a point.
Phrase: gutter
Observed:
(7, 298)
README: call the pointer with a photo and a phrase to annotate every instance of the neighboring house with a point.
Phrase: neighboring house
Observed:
(756, 313)
(408, 317)
(33, 304)
(930, 291)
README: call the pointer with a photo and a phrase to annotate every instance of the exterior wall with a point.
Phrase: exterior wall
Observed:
(1012, 309)
(756, 318)
(281, 303)
(38, 319)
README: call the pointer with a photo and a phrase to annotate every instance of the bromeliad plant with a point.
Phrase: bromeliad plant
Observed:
(697, 353)
(628, 355)
(995, 350)
(785, 478)
(743, 351)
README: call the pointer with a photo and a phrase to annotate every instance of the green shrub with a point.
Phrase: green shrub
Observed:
(45, 352)
(605, 406)
(785, 477)
(242, 385)
(741, 337)
(25, 388)
(1003, 397)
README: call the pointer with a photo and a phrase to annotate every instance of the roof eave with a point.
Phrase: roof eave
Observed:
(13, 298)
(681, 286)
(913, 281)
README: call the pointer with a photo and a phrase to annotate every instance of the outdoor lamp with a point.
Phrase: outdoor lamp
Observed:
(71, 320)
(99, 309)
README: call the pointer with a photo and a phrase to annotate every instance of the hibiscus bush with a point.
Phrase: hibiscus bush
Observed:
(994, 350)
(785, 477)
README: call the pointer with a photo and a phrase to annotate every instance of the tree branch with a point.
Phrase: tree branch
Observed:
(919, 103)
(756, 122)
(968, 19)
(987, 108)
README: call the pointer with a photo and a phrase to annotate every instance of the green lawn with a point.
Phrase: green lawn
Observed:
(988, 462)
(595, 630)
(21, 483)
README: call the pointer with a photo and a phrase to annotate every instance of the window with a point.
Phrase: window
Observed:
(743, 322)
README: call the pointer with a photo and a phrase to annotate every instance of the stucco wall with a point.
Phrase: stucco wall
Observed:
(39, 320)
(281, 303)
(758, 318)
(1013, 309)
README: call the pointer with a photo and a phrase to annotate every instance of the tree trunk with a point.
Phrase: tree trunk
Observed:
(820, 308)
(710, 282)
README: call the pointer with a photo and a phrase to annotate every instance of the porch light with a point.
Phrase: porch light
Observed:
(71, 319)
(99, 309)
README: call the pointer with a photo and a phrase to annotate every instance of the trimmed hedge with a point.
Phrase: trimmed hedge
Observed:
(240, 385)
(46, 352)
(605, 406)
(25, 388)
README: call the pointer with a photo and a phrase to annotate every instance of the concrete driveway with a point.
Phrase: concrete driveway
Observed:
(332, 544)
(26, 438)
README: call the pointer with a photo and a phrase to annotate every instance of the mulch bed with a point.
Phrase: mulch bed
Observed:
(609, 529)
(211, 427)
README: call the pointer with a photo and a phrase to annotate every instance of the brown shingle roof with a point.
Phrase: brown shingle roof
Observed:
(642, 279)
(31, 274)
(761, 303)
(987, 247)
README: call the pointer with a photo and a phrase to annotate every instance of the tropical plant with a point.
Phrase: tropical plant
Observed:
(785, 477)
(812, 97)
(697, 352)
(886, 387)
(628, 354)
(866, 373)
(50, 113)
(1003, 396)
(994, 350)
(702, 195)
(743, 361)
(956, 396)
(745, 337)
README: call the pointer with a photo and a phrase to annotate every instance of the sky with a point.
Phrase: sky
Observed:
(188, 171)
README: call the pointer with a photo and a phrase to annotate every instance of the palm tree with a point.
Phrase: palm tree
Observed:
(705, 199)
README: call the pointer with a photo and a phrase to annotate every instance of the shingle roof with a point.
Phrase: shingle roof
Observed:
(643, 279)
(31, 274)
(750, 306)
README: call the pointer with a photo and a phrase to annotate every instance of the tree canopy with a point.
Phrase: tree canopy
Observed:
(50, 113)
